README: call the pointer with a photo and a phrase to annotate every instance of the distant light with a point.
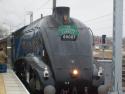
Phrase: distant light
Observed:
(8, 47)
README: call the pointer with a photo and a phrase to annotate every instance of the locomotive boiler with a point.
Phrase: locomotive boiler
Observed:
(53, 55)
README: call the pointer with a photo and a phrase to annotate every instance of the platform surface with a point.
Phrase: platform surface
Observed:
(10, 84)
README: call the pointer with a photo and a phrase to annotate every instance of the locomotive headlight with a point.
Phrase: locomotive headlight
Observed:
(75, 72)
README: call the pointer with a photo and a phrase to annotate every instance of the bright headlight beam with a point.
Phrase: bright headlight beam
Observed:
(75, 72)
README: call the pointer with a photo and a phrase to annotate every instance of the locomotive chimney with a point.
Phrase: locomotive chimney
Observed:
(62, 14)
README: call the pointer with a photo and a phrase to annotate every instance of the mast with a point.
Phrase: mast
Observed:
(54, 4)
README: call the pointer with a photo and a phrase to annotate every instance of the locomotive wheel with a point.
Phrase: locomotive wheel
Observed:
(74, 91)
(23, 72)
(49, 89)
(32, 85)
(92, 90)
(20, 69)
(35, 85)
(103, 89)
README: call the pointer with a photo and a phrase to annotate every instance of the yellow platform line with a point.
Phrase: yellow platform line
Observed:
(2, 86)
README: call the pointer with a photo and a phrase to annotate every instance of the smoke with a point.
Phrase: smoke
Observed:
(3, 31)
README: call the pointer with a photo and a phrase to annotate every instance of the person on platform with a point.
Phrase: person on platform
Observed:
(3, 56)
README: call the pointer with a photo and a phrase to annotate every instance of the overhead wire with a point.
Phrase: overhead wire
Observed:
(100, 17)
(44, 4)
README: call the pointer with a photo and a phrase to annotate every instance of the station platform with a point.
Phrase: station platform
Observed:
(10, 84)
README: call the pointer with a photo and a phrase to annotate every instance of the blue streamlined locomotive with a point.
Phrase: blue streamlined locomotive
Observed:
(53, 55)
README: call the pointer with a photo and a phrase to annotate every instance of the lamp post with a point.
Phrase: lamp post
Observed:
(117, 46)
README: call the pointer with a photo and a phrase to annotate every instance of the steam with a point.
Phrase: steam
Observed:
(3, 31)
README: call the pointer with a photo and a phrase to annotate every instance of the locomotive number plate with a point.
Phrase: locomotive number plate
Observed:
(68, 32)
(68, 37)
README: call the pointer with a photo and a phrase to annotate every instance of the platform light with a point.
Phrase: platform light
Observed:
(8, 47)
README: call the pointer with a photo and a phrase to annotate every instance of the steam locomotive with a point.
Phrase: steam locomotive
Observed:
(53, 55)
